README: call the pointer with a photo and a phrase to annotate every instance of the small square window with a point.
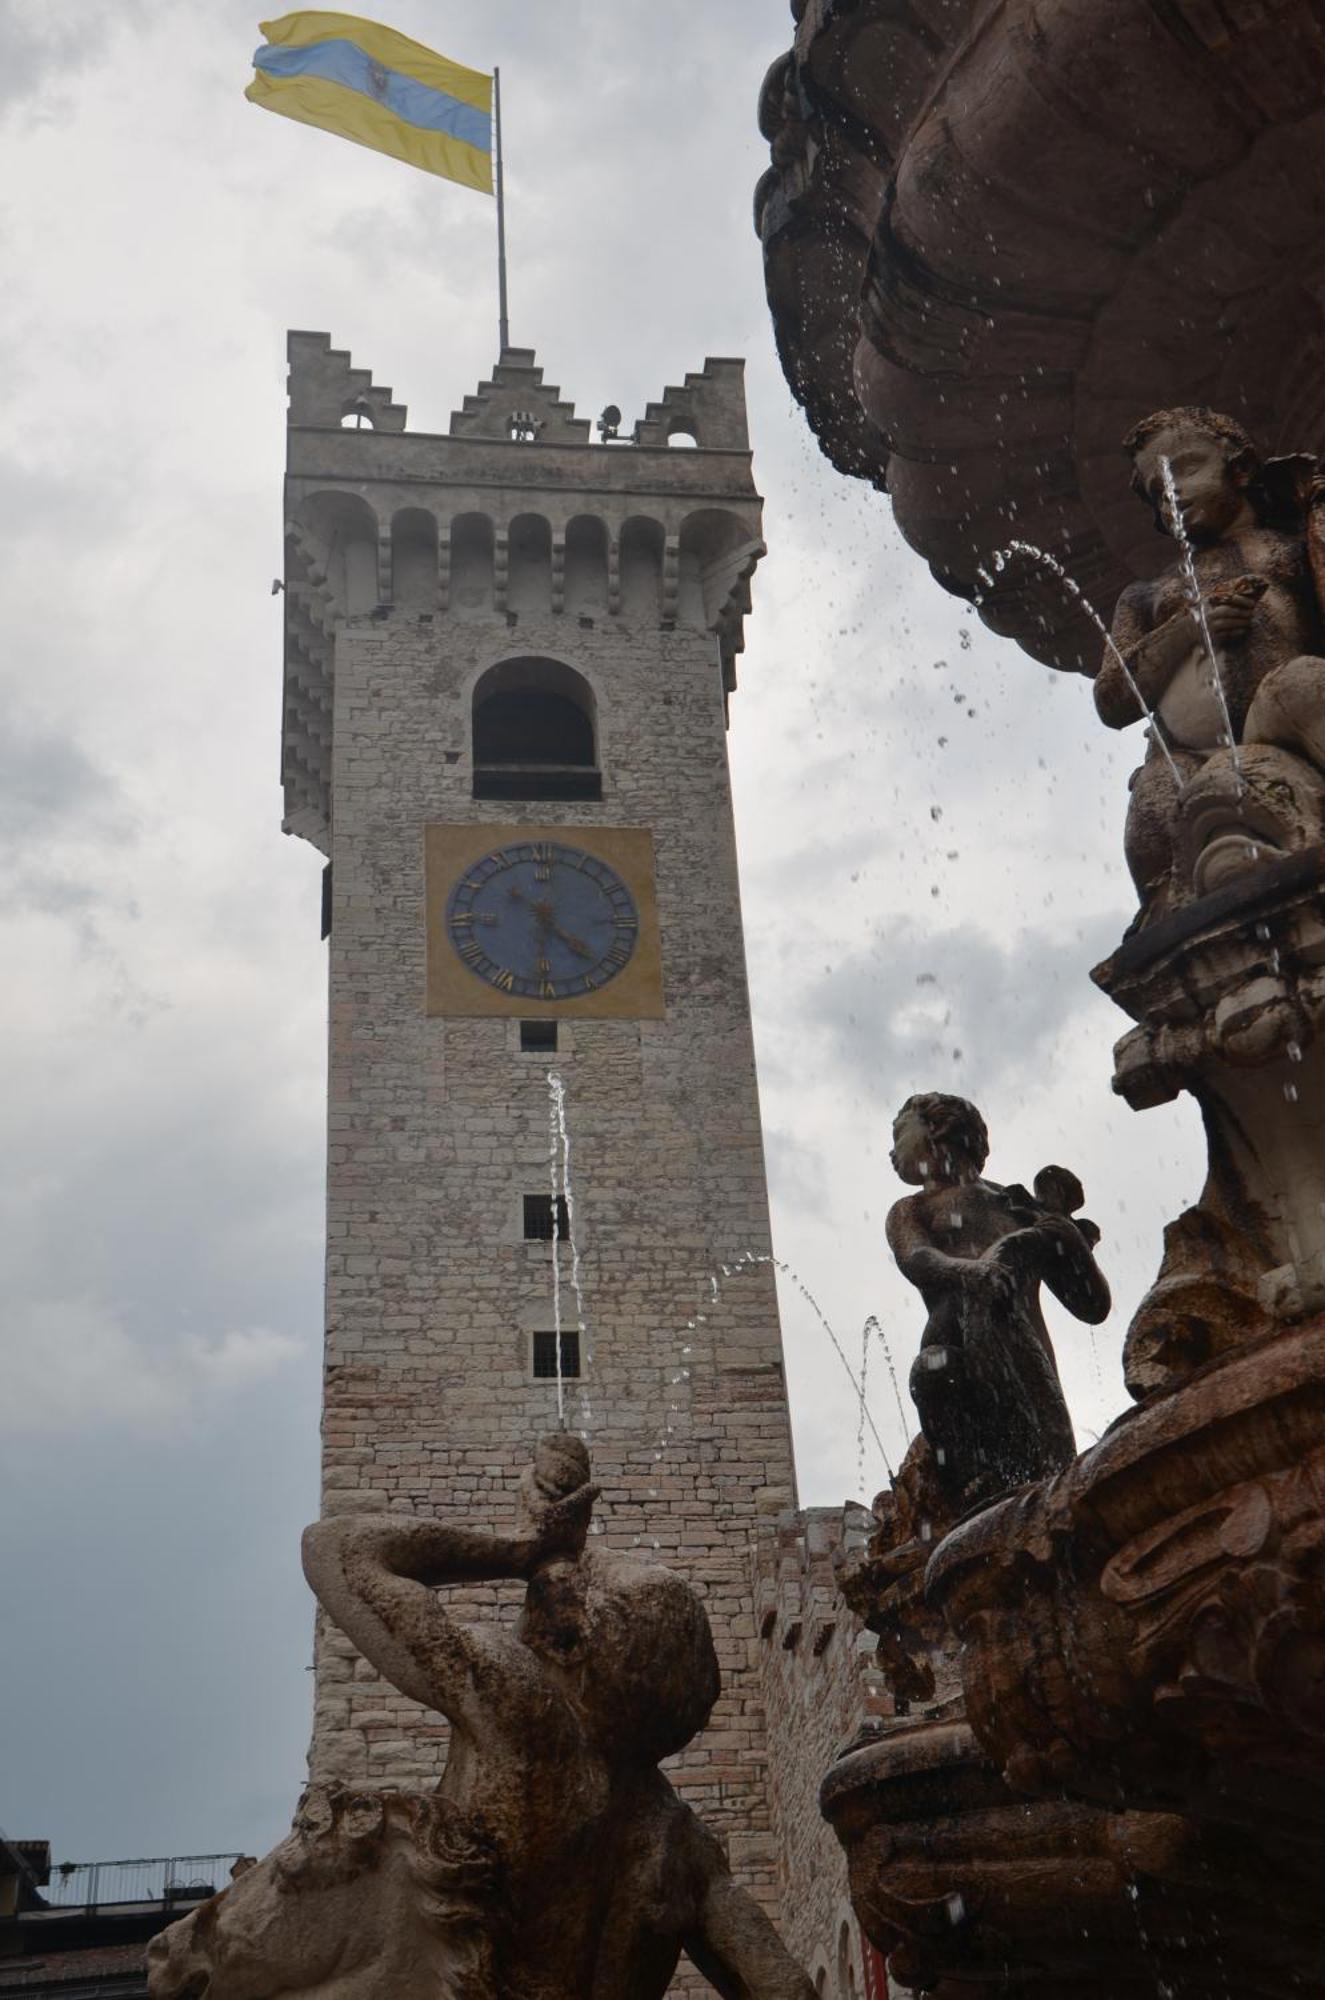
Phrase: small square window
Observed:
(538, 1218)
(539, 1036)
(545, 1355)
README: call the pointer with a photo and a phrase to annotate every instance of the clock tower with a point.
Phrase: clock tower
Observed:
(510, 651)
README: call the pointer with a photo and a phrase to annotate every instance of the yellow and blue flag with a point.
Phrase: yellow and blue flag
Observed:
(369, 84)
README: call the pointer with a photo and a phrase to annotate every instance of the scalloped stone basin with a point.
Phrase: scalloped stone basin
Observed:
(1148, 1629)
(998, 232)
(973, 1892)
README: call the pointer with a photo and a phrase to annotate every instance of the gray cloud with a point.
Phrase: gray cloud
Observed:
(950, 1009)
(48, 783)
(42, 48)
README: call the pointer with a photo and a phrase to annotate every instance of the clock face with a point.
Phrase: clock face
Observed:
(542, 921)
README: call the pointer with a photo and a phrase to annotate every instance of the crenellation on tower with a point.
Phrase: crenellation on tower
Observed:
(479, 525)
(515, 395)
(708, 407)
(326, 389)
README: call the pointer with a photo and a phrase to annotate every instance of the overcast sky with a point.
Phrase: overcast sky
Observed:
(929, 823)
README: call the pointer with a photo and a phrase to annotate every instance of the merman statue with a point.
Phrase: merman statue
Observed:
(554, 1861)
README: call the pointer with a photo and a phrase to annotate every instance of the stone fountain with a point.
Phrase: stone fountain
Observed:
(1107, 1774)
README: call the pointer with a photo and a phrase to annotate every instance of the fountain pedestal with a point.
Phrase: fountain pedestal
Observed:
(1229, 995)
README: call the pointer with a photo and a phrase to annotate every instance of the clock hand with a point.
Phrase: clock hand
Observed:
(575, 944)
(543, 918)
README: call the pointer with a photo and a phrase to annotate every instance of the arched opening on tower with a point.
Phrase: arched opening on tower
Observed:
(586, 566)
(343, 530)
(641, 570)
(414, 560)
(529, 590)
(535, 733)
(472, 543)
(717, 554)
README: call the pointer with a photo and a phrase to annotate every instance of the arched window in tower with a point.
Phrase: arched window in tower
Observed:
(343, 531)
(846, 1972)
(472, 543)
(641, 570)
(535, 734)
(717, 554)
(586, 567)
(529, 589)
(414, 560)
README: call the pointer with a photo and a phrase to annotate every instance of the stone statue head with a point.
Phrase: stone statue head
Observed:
(938, 1138)
(1216, 469)
(633, 1641)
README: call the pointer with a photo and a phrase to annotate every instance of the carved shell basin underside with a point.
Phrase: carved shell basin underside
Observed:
(999, 232)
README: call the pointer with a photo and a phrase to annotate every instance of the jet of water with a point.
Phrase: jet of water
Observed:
(561, 1129)
(749, 1260)
(1177, 522)
(1030, 553)
(555, 1094)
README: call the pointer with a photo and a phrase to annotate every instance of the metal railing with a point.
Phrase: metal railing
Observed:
(178, 1878)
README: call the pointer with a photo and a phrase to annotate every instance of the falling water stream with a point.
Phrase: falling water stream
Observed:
(561, 1184)
(561, 1173)
(1173, 509)
(997, 563)
(1028, 551)
(751, 1260)
(556, 1125)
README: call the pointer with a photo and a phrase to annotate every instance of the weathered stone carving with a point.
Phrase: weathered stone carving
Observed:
(955, 1877)
(1246, 658)
(1154, 1619)
(985, 1381)
(1222, 970)
(884, 1583)
(1106, 1772)
(996, 232)
(1126, 1793)
(1149, 1628)
(555, 1862)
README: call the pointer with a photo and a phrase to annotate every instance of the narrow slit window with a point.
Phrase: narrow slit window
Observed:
(538, 1218)
(545, 1355)
(538, 1037)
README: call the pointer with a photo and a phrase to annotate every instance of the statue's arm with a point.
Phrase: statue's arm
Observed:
(916, 1255)
(1153, 654)
(375, 1576)
(732, 1942)
(1069, 1269)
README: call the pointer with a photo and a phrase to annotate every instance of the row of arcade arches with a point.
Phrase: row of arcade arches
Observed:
(526, 571)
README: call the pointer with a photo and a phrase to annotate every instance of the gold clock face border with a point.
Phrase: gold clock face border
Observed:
(454, 991)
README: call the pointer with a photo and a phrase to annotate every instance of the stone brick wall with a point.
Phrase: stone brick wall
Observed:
(821, 1687)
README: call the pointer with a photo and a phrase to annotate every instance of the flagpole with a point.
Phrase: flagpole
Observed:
(503, 324)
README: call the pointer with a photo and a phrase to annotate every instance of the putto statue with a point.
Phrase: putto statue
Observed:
(985, 1381)
(1248, 659)
(554, 1862)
